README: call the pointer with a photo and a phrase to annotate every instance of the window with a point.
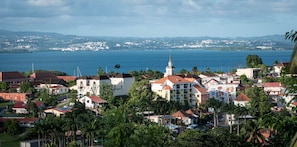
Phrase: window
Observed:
(177, 86)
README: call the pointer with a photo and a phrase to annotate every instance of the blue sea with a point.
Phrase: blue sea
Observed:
(88, 62)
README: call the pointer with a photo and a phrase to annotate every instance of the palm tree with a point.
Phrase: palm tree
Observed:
(229, 109)
(293, 37)
(251, 133)
(216, 105)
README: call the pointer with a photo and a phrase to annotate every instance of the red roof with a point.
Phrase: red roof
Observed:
(24, 105)
(20, 119)
(201, 90)
(67, 78)
(181, 114)
(272, 84)
(173, 79)
(242, 97)
(97, 99)
(20, 105)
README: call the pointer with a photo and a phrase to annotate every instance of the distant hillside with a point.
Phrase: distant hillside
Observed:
(41, 41)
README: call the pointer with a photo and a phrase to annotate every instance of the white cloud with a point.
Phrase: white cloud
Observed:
(46, 3)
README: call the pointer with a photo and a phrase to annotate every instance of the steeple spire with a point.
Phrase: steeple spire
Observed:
(169, 68)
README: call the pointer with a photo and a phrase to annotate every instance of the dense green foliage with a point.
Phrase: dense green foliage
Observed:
(253, 61)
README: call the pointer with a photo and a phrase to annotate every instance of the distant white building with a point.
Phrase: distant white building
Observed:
(54, 89)
(92, 101)
(275, 91)
(250, 73)
(121, 84)
(90, 85)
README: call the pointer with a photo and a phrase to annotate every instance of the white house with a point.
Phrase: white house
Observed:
(250, 73)
(277, 68)
(54, 89)
(90, 85)
(225, 92)
(93, 101)
(241, 100)
(275, 91)
(121, 84)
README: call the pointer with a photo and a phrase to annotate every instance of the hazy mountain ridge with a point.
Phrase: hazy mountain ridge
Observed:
(42, 41)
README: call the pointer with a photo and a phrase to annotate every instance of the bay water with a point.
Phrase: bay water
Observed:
(88, 62)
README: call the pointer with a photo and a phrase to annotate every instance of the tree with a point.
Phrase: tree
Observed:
(12, 126)
(259, 103)
(32, 108)
(46, 98)
(253, 61)
(194, 138)
(3, 86)
(27, 87)
(150, 135)
(293, 64)
(107, 93)
(101, 71)
(216, 105)
(251, 133)
(117, 66)
(140, 95)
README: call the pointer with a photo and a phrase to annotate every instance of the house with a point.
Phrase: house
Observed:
(54, 89)
(23, 121)
(222, 91)
(21, 107)
(121, 83)
(201, 94)
(58, 112)
(22, 97)
(174, 88)
(241, 100)
(46, 77)
(33, 143)
(90, 85)
(92, 101)
(183, 117)
(274, 90)
(277, 68)
(13, 78)
(250, 73)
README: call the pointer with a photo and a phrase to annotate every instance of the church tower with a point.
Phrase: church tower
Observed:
(169, 68)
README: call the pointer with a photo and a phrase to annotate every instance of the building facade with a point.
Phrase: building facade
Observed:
(90, 85)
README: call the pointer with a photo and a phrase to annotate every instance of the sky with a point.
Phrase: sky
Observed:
(151, 18)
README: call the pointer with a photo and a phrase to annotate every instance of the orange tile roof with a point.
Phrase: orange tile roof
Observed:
(272, 84)
(180, 114)
(67, 78)
(242, 97)
(97, 99)
(200, 89)
(190, 79)
(173, 79)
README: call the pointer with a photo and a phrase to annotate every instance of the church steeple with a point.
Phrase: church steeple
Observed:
(169, 67)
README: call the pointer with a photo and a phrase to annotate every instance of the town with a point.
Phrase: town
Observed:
(249, 106)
